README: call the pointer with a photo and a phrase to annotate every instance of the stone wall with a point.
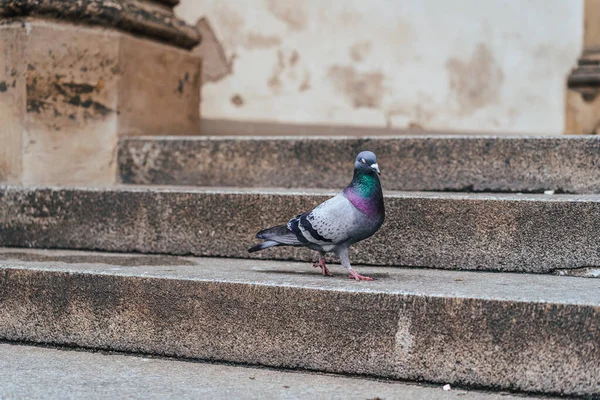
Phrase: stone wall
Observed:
(494, 66)
(69, 90)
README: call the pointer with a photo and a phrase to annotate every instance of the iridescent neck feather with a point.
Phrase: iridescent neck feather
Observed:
(364, 192)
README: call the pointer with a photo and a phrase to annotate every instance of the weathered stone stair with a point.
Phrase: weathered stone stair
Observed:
(495, 232)
(413, 163)
(442, 322)
(534, 333)
(35, 372)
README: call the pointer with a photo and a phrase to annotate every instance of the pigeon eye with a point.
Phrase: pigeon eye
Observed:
(362, 160)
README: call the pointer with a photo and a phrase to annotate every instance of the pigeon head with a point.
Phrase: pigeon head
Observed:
(366, 162)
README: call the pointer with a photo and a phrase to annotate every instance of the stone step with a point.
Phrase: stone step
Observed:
(532, 333)
(33, 372)
(418, 163)
(524, 233)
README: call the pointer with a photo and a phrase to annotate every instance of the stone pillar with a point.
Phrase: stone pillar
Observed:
(583, 84)
(76, 75)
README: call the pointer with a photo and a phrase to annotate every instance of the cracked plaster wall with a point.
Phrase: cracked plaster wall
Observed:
(494, 66)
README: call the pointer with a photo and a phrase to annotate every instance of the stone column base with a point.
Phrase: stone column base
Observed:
(583, 98)
(583, 85)
(67, 92)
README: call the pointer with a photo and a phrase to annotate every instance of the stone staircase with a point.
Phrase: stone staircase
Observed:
(459, 209)
(64, 373)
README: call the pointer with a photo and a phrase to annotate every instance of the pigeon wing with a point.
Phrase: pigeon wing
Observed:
(330, 223)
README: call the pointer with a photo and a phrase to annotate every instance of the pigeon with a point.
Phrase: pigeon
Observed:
(334, 225)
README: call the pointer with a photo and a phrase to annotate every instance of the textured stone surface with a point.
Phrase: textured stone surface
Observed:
(582, 115)
(71, 116)
(526, 233)
(140, 17)
(523, 332)
(580, 272)
(12, 104)
(41, 373)
(160, 89)
(454, 163)
(67, 92)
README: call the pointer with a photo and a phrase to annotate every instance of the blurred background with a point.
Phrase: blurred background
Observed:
(488, 66)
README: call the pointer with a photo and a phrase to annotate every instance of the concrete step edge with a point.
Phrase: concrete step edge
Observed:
(521, 233)
(533, 333)
(568, 164)
(85, 374)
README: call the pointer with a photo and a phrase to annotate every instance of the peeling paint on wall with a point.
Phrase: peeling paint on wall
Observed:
(288, 74)
(362, 89)
(495, 66)
(257, 41)
(475, 83)
(359, 51)
(291, 12)
(215, 64)
(237, 100)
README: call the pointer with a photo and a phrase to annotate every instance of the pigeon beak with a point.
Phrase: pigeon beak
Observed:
(375, 168)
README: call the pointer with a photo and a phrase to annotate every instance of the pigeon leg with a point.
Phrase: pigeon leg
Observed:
(345, 259)
(321, 264)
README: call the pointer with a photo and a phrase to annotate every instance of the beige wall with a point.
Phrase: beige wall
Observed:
(494, 65)
(67, 92)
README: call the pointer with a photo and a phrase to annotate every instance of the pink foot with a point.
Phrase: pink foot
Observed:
(324, 269)
(354, 275)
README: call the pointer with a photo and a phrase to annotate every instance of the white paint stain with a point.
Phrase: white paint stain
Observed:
(403, 342)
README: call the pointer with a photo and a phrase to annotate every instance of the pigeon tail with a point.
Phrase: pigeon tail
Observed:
(278, 235)
(262, 246)
(273, 232)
